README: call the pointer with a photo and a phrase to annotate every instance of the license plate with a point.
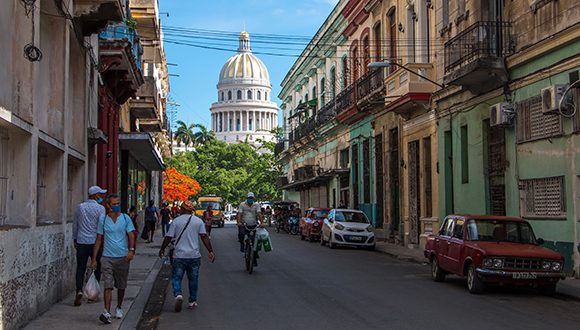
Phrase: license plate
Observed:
(356, 238)
(524, 276)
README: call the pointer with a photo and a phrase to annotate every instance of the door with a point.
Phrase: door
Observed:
(414, 193)
(355, 177)
(442, 242)
(394, 180)
(494, 168)
(380, 188)
(455, 251)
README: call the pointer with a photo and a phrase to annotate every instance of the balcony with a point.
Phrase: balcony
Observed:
(150, 125)
(346, 106)
(408, 94)
(279, 148)
(93, 15)
(327, 113)
(370, 89)
(145, 105)
(475, 57)
(146, 13)
(120, 57)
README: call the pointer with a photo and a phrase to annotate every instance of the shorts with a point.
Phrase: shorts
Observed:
(114, 272)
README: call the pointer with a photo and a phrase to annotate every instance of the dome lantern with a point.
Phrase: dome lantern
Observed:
(244, 42)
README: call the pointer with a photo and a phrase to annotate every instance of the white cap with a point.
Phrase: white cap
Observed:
(250, 195)
(96, 190)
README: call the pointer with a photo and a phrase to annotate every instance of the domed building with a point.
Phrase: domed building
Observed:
(244, 111)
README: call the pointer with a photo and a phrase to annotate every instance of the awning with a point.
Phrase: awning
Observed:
(141, 147)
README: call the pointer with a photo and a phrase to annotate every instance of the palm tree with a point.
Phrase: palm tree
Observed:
(202, 136)
(184, 134)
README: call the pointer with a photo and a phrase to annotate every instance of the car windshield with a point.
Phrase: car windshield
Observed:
(500, 231)
(345, 216)
(215, 205)
(319, 214)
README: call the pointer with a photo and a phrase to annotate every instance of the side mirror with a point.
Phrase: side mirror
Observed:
(540, 241)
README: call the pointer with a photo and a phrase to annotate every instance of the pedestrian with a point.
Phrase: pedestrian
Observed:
(175, 210)
(208, 218)
(165, 219)
(135, 219)
(115, 234)
(186, 230)
(151, 219)
(85, 223)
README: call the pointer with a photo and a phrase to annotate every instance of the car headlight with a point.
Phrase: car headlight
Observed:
(316, 224)
(370, 228)
(487, 262)
(556, 266)
(546, 265)
(338, 226)
(497, 263)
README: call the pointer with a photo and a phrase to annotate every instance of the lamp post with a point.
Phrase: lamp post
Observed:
(389, 63)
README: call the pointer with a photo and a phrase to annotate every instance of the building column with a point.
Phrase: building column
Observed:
(247, 120)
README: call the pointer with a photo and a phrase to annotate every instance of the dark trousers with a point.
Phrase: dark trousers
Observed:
(242, 232)
(164, 227)
(84, 252)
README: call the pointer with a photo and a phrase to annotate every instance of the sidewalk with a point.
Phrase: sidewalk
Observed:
(142, 274)
(569, 287)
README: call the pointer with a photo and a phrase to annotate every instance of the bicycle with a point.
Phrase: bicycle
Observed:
(249, 251)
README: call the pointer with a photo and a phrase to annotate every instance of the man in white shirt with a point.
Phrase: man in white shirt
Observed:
(185, 231)
(85, 222)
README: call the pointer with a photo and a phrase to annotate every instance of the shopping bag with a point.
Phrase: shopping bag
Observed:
(92, 289)
(145, 233)
(267, 244)
(262, 234)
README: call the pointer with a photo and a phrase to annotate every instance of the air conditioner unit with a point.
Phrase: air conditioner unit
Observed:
(498, 114)
(551, 98)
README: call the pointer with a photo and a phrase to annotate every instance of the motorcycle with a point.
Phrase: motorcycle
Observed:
(293, 225)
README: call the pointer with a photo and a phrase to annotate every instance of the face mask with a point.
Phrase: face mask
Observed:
(116, 208)
(250, 201)
(99, 200)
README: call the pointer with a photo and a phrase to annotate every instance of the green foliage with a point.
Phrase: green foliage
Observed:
(230, 170)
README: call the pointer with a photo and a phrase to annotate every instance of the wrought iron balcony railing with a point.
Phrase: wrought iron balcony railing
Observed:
(371, 83)
(480, 40)
(122, 32)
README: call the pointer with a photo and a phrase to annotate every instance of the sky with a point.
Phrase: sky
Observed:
(194, 72)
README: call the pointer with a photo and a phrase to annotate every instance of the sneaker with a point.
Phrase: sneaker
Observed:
(78, 298)
(178, 303)
(242, 249)
(105, 318)
(119, 313)
(192, 305)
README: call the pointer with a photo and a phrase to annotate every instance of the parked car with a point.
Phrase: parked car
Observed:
(310, 225)
(347, 228)
(231, 216)
(493, 250)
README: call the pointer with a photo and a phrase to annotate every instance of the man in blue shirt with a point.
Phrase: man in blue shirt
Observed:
(114, 231)
(85, 223)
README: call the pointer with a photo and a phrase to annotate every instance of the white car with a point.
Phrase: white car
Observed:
(231, 216)
(348, 228)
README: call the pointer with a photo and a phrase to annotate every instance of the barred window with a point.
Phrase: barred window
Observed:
(532, 124)
(543, 197)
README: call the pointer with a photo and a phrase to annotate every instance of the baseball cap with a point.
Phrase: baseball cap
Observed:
(250, 195)
(96, 190)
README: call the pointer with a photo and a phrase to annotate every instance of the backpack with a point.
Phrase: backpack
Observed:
(150, 213)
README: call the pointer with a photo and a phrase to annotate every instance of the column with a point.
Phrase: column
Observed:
(247, 120)
(228, 121)
(255, 121)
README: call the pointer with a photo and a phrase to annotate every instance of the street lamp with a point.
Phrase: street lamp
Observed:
(389, 63)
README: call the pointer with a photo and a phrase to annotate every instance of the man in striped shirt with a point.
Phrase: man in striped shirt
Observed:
(85, 222)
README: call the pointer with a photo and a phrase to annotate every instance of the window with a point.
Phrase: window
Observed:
(344, 158)
(266, 96)
(238, 122)
(258, 95)
(366, 54)
(344, 72)
(249, 95)
(74, 186)
(543, 197)
(355, 176)
(464, 155)
(392, 18)
(458, 229)
(222, 96)
(447, 227)
(239, 95)
(377, 45)
(532, 125)
(354, 65)
(444, 14)
(322, 91)
(229, 95)
(249, 124)
(332, 83)
(49, 183)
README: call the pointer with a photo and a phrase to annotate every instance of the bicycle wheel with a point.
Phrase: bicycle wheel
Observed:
(251, 265)
(248, 255)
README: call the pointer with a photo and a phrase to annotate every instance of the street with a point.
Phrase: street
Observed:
(303, 285)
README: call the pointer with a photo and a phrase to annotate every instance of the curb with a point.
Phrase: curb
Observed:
(401, 257)
(134, 314)
(155, 300)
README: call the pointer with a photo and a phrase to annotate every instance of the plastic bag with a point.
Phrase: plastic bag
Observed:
(262, 234)
(92, 289)
(263, 240)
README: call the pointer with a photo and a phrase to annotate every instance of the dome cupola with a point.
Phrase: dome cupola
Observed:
(244, 66)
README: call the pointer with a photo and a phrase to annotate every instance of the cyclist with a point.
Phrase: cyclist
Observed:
(249, 215)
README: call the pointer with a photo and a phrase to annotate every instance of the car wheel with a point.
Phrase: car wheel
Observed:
(548, 289)
(474, 284)
(437, 273)
(311, 238)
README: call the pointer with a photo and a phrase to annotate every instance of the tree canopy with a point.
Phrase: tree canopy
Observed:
(178, 187)
(230, 170)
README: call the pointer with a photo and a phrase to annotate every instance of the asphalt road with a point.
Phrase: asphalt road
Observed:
(301, 285)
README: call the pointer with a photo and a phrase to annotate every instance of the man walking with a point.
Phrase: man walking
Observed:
(115, 233)
(165, 218)
(151, 219)
(186, 230)
(85, 223)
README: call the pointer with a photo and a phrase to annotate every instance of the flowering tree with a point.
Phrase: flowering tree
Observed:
(179, 187)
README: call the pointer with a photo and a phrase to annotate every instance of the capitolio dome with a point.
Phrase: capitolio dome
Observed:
(244, 65)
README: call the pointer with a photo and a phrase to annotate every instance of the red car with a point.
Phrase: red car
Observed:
(311, 225)
(493, 250)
